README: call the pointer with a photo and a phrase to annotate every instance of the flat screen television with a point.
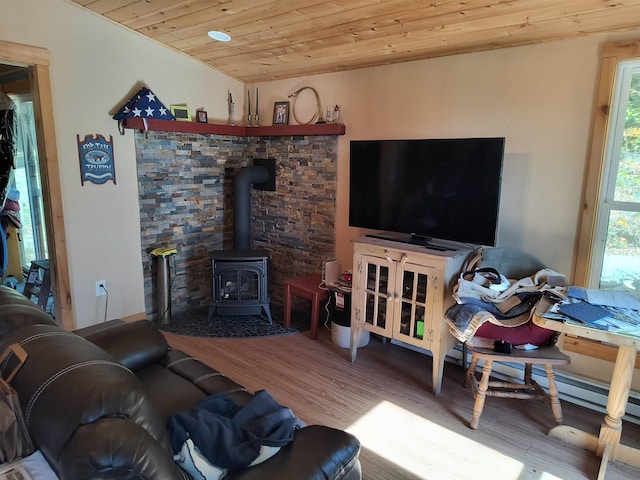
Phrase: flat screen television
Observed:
(435, 188)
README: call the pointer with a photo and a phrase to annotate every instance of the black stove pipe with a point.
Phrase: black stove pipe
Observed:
(242, 204)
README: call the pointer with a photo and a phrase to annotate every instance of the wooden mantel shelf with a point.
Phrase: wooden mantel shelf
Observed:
(238, 131)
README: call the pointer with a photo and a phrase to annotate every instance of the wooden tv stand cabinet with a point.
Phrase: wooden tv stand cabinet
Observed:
(401, 290)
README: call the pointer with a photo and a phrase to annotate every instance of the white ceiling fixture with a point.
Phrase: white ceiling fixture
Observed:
(219, 36)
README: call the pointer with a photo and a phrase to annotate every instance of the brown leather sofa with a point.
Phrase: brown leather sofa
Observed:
(96, 402)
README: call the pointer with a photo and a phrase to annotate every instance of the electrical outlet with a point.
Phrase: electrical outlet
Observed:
(101, 288)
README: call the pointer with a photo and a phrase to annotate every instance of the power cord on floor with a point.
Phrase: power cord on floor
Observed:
(106, 302)
(327, 323)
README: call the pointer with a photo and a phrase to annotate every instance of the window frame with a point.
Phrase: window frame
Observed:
(612, 54)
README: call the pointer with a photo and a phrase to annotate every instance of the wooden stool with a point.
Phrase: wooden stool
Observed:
(306, 286)
(530, 389)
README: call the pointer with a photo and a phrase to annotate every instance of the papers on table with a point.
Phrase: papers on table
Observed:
(609, 298)
(583, 311)
(587, 307)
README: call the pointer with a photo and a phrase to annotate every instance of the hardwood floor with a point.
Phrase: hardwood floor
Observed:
(385, 399)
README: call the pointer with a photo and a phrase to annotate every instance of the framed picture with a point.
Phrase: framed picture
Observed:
(281, 113)
(202, 116)
(181, 112)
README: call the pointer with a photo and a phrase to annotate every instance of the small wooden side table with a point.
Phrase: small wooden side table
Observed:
(306, 286)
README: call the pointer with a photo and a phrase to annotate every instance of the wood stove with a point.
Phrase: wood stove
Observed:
(239, 283)
(240, 275)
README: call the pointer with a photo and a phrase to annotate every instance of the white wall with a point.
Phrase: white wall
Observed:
(95, 67)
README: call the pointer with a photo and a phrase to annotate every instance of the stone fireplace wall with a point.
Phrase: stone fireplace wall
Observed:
(185, 184)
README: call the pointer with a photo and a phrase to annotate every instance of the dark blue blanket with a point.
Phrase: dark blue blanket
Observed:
(228, 435)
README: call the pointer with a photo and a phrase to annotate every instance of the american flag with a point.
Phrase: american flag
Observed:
(144, 104)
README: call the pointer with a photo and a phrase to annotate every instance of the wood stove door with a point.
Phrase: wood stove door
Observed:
(238, 285)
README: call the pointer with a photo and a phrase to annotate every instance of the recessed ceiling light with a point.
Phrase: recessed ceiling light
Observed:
(220, 36)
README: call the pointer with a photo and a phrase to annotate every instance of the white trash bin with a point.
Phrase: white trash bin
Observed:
(341, 336)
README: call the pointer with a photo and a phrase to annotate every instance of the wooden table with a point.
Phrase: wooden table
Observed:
(306, 286)
(607, 443)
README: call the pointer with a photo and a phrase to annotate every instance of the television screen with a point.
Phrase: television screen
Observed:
(440, 188)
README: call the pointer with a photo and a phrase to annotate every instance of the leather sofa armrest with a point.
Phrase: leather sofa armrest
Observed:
(133, 344)
(115, 449)
(17, 311)
(68, 382)
(316, 453)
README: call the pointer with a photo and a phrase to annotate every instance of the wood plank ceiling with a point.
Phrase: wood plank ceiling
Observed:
(274, 39)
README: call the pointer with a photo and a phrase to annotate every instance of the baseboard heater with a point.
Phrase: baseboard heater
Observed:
(572, 388)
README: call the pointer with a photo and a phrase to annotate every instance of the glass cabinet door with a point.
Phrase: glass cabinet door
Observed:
(378, 294)
(413, 303)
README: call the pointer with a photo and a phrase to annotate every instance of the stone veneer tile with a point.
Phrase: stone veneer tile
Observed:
(185, 184)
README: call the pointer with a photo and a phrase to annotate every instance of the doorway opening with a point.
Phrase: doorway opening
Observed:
(23, 229)
(35, 61)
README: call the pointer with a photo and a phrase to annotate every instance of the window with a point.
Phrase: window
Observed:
(27, 182)
(609, 242)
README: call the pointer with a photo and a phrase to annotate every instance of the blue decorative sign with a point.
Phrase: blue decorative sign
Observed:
(96, 159)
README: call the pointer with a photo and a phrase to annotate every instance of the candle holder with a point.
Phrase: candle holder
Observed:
(249, 120)
(257, 120)
(231, 120)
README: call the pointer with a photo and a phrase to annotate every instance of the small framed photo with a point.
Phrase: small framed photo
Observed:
(281, 113)
(202, 116)
(181, 112)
